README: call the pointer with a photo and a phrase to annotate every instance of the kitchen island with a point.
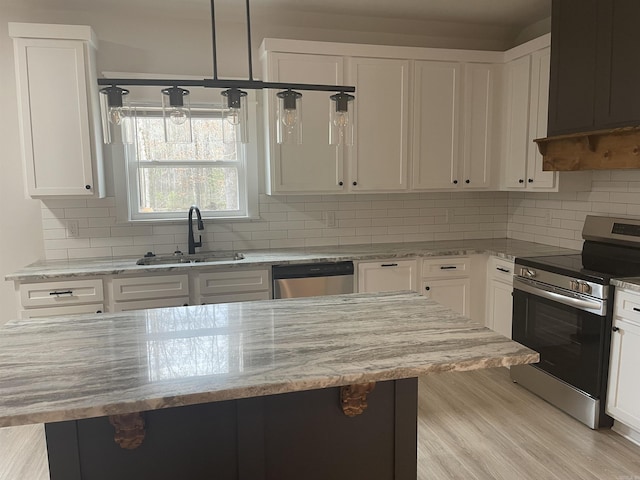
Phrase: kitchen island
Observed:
(310, 388)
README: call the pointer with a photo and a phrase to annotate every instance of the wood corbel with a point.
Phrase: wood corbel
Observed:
(129, 430)
(353, 398)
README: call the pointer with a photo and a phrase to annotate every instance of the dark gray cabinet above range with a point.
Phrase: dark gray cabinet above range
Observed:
(595, 65)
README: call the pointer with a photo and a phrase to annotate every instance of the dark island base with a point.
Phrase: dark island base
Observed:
(293, 436)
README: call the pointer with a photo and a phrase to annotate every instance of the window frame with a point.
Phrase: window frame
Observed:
(127, 188)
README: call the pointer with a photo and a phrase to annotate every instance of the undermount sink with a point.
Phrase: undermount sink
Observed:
(208, 257)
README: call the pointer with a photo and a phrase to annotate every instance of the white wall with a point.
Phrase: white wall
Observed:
(20, 223)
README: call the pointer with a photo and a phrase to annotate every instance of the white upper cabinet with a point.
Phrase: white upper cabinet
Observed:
(59, 109)
(314, 166)
(378, 159)
(526, 112)
(436, 124)
(452, 125)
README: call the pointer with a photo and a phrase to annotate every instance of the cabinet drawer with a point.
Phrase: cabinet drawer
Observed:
(153, 303)
(446, 267)
(627, 306)
(215, 283)
(62, 311)
(141, 288)
(238, 297)
(50, 294)
(500, 269)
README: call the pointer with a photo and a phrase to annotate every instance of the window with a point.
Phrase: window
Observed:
(164, 179)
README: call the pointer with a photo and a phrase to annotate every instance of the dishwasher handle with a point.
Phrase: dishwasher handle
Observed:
(312, 270)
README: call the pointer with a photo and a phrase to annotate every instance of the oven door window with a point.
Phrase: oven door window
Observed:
(568, 340)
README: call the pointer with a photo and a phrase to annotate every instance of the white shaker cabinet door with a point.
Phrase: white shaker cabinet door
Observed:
(315, 166)
(623, 395)
(436, 125)
(453, 293)
(59, 119)
(540, 68)
(378, 159)
(477, 125)
(518, 77)
(387, 276)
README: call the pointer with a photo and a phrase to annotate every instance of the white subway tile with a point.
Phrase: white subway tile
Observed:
(56, 254)
(90, 252)
(287, 243)
(111, 241)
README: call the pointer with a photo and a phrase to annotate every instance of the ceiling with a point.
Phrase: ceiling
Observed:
(503, 13)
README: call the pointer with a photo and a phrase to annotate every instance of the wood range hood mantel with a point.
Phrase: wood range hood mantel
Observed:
(613, 149)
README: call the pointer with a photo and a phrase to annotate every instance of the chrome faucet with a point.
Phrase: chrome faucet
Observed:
(192, 243)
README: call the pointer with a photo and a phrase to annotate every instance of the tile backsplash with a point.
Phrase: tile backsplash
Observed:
(303, 221)
(557, 218)
(285, 221)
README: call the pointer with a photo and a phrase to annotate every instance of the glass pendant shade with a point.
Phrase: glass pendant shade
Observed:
(117, 117)
(341, 119)
(289, 117)
(176, 113)
(234, 116)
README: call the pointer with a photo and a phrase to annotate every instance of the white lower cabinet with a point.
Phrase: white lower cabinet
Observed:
(387, 276)
(623, 394)
(62, 297)
(447, 280)
(232, 286)
(159, 291)
(62, 311)
(499, 301)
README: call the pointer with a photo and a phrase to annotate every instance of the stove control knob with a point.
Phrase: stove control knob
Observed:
(574, 285)
(585, 287)
(527, 272)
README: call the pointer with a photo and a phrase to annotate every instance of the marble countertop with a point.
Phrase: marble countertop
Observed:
(67, 368)
(631, 283)
(506, 248)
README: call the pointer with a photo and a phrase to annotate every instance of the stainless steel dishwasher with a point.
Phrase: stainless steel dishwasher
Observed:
(310, 280)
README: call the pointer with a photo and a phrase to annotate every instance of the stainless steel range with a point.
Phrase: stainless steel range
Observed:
(562, 308)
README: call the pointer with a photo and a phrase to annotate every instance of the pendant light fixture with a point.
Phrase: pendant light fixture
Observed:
(341, 119)
(289, 117)
(234, 101)
(177, 115)
(116, 114)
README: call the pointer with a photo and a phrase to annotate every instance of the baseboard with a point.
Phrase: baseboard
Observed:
(626, 431)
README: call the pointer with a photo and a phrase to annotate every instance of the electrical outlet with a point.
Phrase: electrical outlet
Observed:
(330, 219)
(73, 229)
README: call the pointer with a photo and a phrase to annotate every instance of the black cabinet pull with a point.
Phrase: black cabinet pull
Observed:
(61, 292)
(355, 183)
(98, 311)
(615, 329)
(530, 180)
(88, 187)
(467, 181)
(340, 183)
(389, 265)
(427, 288)
(455, 182)
(185, 304)
(448, 267)
(636, 309)
(521, 181)
(505, 270)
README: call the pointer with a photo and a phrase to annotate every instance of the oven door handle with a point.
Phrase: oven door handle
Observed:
(580, 303)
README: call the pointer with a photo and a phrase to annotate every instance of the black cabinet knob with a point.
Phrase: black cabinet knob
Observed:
(98, 311)
(615, 329)
(467, 181)
(427, 288)
(355, 183)
(340, 183)
(185, 304)
(521, 181)
(455, 182)
(88, 187)
(530, 180)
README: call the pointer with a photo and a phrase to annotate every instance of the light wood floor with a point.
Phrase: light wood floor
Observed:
(472, 426)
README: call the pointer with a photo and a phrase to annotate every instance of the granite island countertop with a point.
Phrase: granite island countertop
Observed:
(505, 248)
(67, 368)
